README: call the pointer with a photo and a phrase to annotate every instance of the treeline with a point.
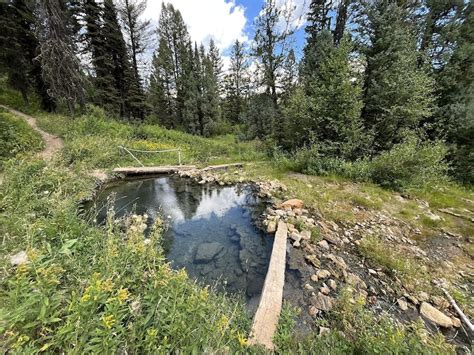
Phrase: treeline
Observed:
(373, 74)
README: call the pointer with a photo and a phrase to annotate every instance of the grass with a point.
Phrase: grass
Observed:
(91, 289)
(16, 137)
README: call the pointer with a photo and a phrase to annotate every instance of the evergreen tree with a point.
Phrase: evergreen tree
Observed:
(271, 45)
(217, 65)
(318, 18)
(290, 73)
(237, 83)
(171, 60)
(19, 48)
(211, 109)
(438, 34)
(60, 66)
(398, 94)
(336, 102)
(456, 114)
(341, 19)
(193, 119)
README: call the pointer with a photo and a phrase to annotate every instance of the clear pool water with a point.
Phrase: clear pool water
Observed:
(211, 231)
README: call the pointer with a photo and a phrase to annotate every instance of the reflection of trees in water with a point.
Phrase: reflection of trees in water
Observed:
(188, 196)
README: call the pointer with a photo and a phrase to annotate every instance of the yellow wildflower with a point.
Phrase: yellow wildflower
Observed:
(152, 332)
(242, 340)
(85, 297)
(222, 323)
(107, 285)
(122, 295)
(22, 269)
(108, 321)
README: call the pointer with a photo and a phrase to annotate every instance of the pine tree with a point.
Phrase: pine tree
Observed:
(19, 48)
(211, 109)
(271, 45)
(456, 114)
(192, 92)
(237, 83)
(217, 64)
(318, 18)
(398, 94)
(105, 92)
(336, 102)
(290, 73)
(59, 64)
(341, 19)
(171, 60)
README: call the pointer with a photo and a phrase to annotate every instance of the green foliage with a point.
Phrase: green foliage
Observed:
(16, 137)
(412, 164)
(398, 93)
(356, 330)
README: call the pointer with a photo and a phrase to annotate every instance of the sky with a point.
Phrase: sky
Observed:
(226, 20)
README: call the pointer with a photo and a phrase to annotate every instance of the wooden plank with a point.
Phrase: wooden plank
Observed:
(146, 170)
(266, 318)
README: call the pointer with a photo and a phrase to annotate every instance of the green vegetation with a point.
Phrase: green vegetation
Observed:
(354, 330)
(16, 137)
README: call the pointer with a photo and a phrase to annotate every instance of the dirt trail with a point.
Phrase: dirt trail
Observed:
(52, 143)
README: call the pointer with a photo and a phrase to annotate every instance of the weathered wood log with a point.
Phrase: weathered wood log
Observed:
(149, 170)
(458, 310)
(268, 312)
(223, 166)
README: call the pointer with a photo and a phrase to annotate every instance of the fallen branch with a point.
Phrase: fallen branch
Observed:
(447, 211)
(459, 311)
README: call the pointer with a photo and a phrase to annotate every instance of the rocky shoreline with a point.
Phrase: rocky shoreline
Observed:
(327, 259)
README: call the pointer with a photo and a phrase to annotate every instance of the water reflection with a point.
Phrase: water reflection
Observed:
(210, 233)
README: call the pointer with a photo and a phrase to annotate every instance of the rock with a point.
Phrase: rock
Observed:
(333, 239)
(432, 216)
(372, 272)
(402, 304)
(206, 252)
(440, 302)
(296, 244)
(340, 263)
(412, 299)
(306, 234)
(325, 289)
(332, 284)
(313, 311)
(322, 302)
(309, 287)
(290, 204)
(423, 296)
(322, 274)
(434, 315)
(323, 244)
(312, 259)
(324, 330)
(19, 258)
(314, 278)
(280, 213)
(295, 236)
(456, 322)
(356, 281)
(271, 227)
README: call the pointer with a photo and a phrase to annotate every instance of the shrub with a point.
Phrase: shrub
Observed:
(411, 164)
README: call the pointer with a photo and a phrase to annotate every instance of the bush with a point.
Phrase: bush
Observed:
(16, 137)
(411, 164)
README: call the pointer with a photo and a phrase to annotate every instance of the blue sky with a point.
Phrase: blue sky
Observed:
(226, 20)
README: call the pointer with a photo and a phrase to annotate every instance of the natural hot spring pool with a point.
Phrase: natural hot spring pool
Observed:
(211, 231)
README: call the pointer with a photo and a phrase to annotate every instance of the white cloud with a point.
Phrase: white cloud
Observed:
(222, 20)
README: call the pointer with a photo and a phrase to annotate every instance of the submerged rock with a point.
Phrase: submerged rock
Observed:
(206, 252)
